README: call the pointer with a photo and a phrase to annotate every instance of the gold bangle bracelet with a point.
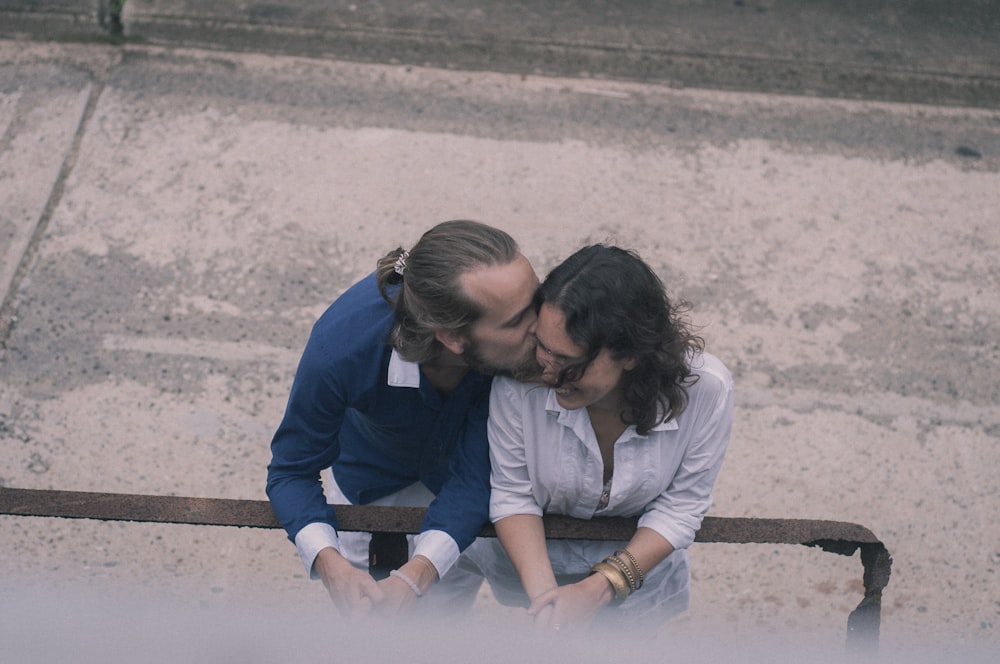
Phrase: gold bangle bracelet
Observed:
(617, 580)
(620, 564)
(635, 563)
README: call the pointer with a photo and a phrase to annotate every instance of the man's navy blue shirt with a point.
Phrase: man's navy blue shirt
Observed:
(343, 413)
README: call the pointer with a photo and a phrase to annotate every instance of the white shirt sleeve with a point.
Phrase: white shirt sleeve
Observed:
(439, 547)
(677, 513)
(511, 483)
(435, 545)
(311, 539)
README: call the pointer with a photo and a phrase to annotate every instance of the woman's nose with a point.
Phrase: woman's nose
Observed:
(548, 367)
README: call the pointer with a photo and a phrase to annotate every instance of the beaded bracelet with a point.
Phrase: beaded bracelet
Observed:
(635, 563)
(408, 581)
(620, 564)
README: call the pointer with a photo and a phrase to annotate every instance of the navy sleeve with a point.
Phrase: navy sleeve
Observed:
(305, 443)
(461, 507)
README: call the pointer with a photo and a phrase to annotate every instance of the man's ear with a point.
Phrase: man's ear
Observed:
(453, 340)
(630, 364)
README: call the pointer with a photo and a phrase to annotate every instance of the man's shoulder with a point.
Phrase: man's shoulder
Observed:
(360, 310)
(355, 324)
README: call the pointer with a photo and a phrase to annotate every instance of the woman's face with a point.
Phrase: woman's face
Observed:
(600, 383)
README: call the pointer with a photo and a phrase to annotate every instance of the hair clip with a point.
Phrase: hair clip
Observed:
(400, 265)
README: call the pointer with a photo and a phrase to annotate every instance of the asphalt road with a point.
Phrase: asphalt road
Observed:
(173, 216)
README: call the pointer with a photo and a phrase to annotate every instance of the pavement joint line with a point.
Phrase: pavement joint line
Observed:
(8, 308)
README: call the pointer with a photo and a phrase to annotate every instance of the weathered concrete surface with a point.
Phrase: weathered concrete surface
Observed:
(198, 209)
(928, 51)
(40, 114)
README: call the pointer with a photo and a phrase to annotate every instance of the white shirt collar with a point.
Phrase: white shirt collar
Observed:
(403, 373)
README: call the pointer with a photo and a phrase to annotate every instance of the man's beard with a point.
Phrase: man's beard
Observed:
(527, 370)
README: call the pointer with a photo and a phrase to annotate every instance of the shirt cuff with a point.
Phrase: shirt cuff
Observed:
(503, 507)
(439, 547)
(313, 538)
(669, 528)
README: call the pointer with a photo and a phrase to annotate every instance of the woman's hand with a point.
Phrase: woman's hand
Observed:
(572, 607)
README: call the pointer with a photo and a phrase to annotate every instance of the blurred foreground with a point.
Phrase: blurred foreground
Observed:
(108, 629)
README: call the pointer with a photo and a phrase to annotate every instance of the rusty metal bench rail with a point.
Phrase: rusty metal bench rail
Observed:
(833, 536)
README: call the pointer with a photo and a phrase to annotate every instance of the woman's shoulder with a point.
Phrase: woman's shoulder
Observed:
(710, 369)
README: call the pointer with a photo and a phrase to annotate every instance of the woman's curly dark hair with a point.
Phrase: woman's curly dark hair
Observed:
(612, 299)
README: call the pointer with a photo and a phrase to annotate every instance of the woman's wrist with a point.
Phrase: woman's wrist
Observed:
(621, 587)
(601, 587)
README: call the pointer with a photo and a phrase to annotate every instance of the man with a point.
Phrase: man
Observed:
(392, 394)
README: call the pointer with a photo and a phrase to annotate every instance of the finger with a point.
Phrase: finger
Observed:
(543, 617)
(363, 607)
(547, 622)
(374, 593)
(543, 600)
(357, 599)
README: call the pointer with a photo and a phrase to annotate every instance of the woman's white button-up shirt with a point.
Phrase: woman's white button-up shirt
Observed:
(545, 458)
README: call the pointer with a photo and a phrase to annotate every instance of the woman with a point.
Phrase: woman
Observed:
(633, 419)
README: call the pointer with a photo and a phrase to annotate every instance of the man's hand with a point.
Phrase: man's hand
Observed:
(353, 591)
(399, 596)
